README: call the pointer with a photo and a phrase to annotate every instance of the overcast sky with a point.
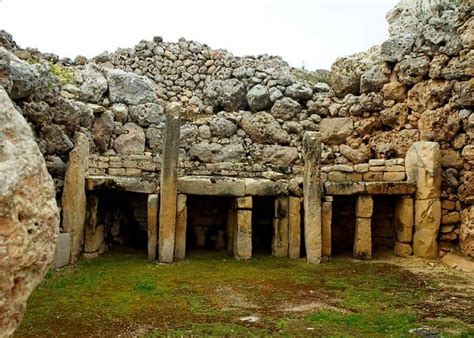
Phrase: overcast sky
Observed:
(309, 32)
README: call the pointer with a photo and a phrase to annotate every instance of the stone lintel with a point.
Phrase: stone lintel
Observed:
(130, 184)
(216, 186)
(369, 188)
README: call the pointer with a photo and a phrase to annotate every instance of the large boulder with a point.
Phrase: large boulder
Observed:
(229, 95)
(263, 128)
(147, 114)
(335, 130)
(132, 141)
(393, 144)
(439, 125)
(102, 130)
(25, 78)
(94, 85)
(214, 153)
(222, 127)
(466, 231)
(29, 216)
(346, 73)
(129, 88)
(285, 108)
(258, 98)
(299, 91)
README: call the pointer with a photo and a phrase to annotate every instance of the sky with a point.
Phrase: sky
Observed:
(309, 33)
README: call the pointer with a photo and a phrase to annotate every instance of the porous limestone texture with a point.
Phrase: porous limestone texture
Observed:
(29, 216)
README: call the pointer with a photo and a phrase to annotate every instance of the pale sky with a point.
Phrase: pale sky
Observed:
(309, 32)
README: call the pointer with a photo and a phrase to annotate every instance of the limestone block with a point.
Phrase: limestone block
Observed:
(181, 225)
(394, 176)
(312, 192)
(363, 239)
(231, 229)
(373, 176)
(280, 228)
(427, 223)
(337, 176)
(62, 252)
(294, 225)
(265, 187)
(202, 185)
(364, 206)
(466, 231)
(389, 188)
(74, 195)
(423, 166)
(244, 202)
(404, 219)
(29, 216)
(94, 238)
(403, 249)
(243, 235)
(344, 188)
(451, 218)
(326, 228)
(168, 183)
(152, 224)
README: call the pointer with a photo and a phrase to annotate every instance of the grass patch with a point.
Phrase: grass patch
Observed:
(209, 293)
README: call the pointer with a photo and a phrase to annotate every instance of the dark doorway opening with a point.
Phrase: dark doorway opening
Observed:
(207, 222)
(343, 225)
(124, 216)
(382, 225)
(263, 212)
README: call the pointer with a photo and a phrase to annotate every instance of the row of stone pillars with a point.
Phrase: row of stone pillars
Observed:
(286, 240)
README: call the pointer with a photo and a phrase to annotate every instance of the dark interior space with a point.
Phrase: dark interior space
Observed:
(262, 224)
(343, 225)
(383, 230)
(207, 222)
(124, 215)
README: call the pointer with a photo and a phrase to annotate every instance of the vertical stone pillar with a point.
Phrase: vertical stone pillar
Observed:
(280, 227)
(312, 191)
(243, 231)
(466, 231)
(231, 228)
(403, 223)
(94, 236)
(423, 166)
(74, 195)
(363, 232)
(326, 221)
(181, 224)
(294, 227)
(168, 183)
(152, 225)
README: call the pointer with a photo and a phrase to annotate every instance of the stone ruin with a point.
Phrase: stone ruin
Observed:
(176, 146)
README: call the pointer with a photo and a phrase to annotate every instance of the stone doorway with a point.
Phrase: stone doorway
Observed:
(115, 220)
(382, 225)
(207, 222)
(343, 225)
(262, 224)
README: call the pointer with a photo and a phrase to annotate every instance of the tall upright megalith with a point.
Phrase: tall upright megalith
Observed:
(29, 216)
(312, 191)
(168, 183)
(423, 166)
(74, 203)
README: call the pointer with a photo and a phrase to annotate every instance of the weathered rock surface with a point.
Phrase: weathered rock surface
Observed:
(29, 215)
(335, 130)
(229, 95)
(258, 98)
(132, 141)
(263, 128)
(129, 88)
(94, 85)
(466, 233)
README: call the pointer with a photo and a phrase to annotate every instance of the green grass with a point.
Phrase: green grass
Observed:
(208, 293)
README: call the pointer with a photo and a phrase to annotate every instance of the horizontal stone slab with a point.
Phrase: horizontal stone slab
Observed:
(264, 187)
(369, 188)
(211, 185)
(130, 184)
